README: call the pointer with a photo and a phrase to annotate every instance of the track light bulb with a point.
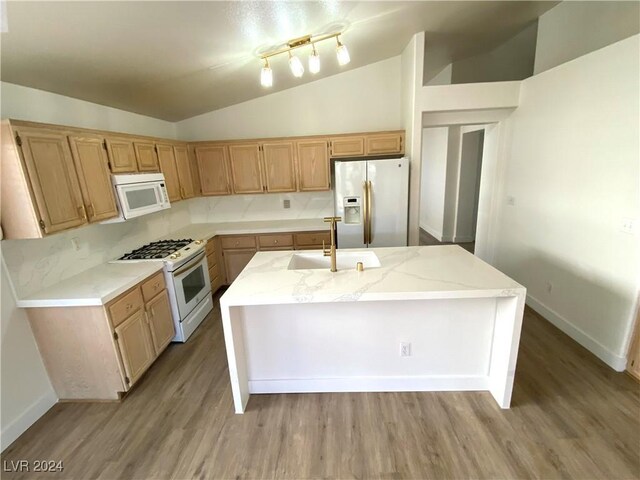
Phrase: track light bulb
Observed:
(296, 66)
(266, 75)
(342, 53)
(314, 61)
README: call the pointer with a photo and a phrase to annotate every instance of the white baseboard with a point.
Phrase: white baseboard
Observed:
(463, 239)
(31, 414)
(432, 231)
(616, 362)
(429, 383)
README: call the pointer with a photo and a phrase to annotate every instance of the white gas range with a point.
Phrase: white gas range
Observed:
(187, 279)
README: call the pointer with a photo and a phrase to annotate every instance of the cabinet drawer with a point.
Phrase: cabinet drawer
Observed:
(128, 303)
(211, 260)
(211, 247)
(312, 238)
(245, 241)
(280, 240)
(214, 272)
(153, 286)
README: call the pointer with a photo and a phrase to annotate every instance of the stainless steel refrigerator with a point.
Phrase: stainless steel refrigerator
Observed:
(372, 197)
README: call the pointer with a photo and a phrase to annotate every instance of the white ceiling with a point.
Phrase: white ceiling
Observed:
(176, 59)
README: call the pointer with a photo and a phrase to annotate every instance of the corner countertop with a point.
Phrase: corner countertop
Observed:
(102, 283)
(406, 273)
(96, 286)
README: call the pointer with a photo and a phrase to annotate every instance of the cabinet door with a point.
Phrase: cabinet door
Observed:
(183, 165)
(169, 169)
(633, 356)
(347, 146)
(246, 171)
(195, 174)
(384, 143)
(279, 167)
(213, 169)
(235, 261)
(92, 165)
(53, 178)
(146, 157)
(160, 321)
(313, 165)
(135, 345)
(122, 156)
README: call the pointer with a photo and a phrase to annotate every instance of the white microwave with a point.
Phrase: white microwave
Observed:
(139, 194)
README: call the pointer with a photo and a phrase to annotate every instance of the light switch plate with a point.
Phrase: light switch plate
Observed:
(628, 225)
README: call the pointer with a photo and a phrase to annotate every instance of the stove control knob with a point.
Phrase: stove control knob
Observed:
(173, 256)
(177, 254)
(198, 242)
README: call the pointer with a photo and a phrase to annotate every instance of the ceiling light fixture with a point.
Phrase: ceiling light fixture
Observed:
(314, 61)
(266, 75)
(297, 69)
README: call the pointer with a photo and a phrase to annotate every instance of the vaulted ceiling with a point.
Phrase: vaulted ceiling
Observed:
(177, 59)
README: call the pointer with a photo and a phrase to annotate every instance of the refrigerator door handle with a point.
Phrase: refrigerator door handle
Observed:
(365, 215)
(369, 212)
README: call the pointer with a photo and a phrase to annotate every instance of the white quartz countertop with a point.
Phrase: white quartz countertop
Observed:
(96, 286)
(100, 284)
(406, 273)
(205, 231)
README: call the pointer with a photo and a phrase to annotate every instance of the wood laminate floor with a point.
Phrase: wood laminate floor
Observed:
(571, 417)
(428, 239)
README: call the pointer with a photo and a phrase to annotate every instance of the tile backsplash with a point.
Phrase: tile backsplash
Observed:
(40, 263)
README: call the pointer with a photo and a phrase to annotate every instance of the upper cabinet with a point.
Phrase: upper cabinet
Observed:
(351, 146)
(122, 156)
(313, 165)
(146, 157)
(246, 168)
(92, 166)
(213, 169)
(50, 174)
(184, 170)
(384, 143)
(168, 167)
(279, 166)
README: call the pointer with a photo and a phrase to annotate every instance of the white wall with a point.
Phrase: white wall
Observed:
(443, 77)
(412, 67)
(33, 264)
(574, 175)
(434, 173)
(363, 99)
(572, 29)
(24, 103)
(512, 60)
(454, 147)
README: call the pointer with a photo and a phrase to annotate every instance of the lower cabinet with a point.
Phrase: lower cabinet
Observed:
(238, 250)
(98, 353)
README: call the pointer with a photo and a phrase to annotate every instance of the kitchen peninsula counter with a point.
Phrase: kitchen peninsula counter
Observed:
(313, 330)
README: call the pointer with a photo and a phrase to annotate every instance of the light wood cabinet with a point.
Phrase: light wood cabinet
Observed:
(213, 169)
(168, 167)
(351, 146)
(183, 166)
(122, 156)
(235, 261)
(146, 157)
(158, 312)
(216, 272)
(195, 173)
(136, 350)
(384, 143)
(97, 353)
(633, 356)
(52, 177)
(279, 167)
(313, 165)
(92, 166)
(246, 168)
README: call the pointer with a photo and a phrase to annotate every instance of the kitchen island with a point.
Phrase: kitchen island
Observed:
(431, 318)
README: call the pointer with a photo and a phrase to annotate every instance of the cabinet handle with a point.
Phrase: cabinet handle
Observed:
(83, 212)
(157, 285)
(182, 192)
(129, 306)
(275, 241)
(146, 317)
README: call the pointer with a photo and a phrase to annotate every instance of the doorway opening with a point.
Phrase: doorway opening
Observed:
(452, 160)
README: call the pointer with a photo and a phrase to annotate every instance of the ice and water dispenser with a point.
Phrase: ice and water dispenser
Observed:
(351, 210)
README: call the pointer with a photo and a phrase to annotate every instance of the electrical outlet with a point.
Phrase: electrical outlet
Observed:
(405, 349)
(628, 225)
(511, 200)
(286, 203)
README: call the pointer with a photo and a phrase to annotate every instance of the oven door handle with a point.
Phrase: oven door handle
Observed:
(188, 266)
